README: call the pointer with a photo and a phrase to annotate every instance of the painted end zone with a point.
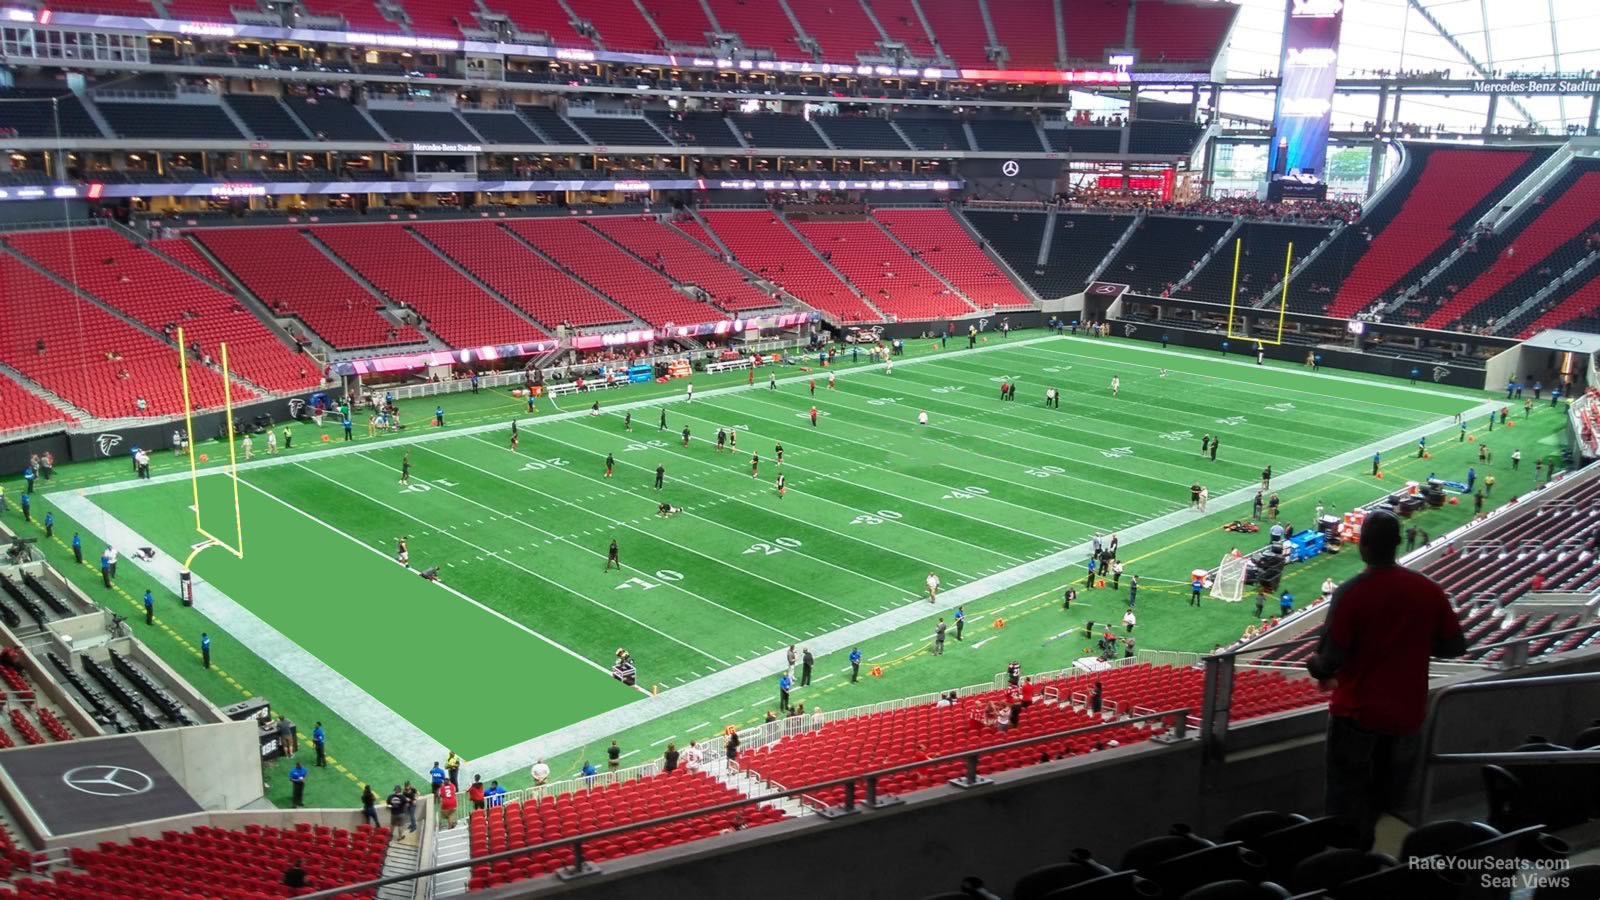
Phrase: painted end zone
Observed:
(450, 667)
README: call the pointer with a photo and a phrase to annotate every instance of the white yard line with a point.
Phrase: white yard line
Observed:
(500, 557)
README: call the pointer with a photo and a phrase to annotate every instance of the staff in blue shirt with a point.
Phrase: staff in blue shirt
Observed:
(49, 524)
(784, 684)
(149, 608)
(436, 777)
(495, 795)
(319, 739)
(28, 476)
(77, 547)
(27, 508)
(961, 621)
(855, 663)
(205, 649)
(297, 780)
(438, 416)
(589, 771)
(345, 421)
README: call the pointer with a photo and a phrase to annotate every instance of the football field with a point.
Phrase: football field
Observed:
(517, 639)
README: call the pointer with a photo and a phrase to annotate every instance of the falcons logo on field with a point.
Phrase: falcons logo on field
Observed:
(108, 442)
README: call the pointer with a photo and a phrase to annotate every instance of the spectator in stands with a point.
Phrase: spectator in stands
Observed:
(397, 810)
(475, 792)
(369, 805)
(1096, 698)
(294, 877)
(1383, 626)
(669, 760)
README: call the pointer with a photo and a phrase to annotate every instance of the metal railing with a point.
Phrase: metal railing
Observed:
(578, 785)
(1428, 759)
(860, 792)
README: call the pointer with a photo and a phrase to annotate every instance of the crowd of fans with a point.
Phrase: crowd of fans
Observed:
(1306, 211)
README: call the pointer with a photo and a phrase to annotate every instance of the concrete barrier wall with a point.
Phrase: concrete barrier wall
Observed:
(219, 765)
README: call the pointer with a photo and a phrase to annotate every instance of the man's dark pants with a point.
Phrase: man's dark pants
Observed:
(1367, 774)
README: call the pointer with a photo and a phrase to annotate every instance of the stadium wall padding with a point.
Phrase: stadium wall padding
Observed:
(1391, 366)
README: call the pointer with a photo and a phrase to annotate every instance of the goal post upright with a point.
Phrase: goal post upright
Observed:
(237, 548)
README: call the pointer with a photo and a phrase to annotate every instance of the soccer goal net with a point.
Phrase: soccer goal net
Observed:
(1229, 581)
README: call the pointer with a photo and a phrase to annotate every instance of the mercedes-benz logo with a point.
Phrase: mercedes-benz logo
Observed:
(1567, 341)
(108, 781)
(1010, 168)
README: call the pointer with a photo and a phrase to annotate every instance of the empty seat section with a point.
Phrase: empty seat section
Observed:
(408, 272)
(205, 10)
(266, 117)
(520, 275)
(1180, 32)
(137, 8)
(1019, 135)
(1027, 29)
(41, 113)
(582, 810)
(333, 119)
(1260, 263)
(1014, 235)
(958, 27)
(217, 862)
(627, 281)
(1163, 138)
(899, 20)
(190, 256)
(760, 25)
(944, 246)
(294, 278)
(1085, 140)
(1573, 214)
(441, 18)
(774, 130)
(1573, 307)
(175, 120)
(620, 24)
(685, 262)
(1093, 28)
(362, 15)
(860, 133)
(546, 17)
(1161, 251)
(501, 128)
(549, 123)
(684, 24)
(91, 358)
(703, 129)
(164, 298)
(766, 247)
(1453, 182)
(423, 125)
(934, 134)
(20, 408)
(840, 28)
(883, 272)
(620, 131)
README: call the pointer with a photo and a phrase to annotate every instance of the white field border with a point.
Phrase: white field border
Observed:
(415, 748)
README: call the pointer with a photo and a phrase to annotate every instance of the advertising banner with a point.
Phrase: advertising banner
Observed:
(1308, 69)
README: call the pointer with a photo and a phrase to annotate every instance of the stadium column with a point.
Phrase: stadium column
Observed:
(1594, 113)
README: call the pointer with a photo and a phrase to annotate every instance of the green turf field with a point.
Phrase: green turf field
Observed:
(517, 640)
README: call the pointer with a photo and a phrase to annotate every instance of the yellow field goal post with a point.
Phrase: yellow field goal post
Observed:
(209, 539)
(1283, 297)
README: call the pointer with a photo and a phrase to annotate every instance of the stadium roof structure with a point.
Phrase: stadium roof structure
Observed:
(1465, 39)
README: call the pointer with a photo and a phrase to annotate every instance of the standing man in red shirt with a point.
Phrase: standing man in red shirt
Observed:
(1384, 625)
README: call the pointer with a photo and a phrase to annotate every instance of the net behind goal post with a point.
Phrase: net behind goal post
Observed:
(1229, 581)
